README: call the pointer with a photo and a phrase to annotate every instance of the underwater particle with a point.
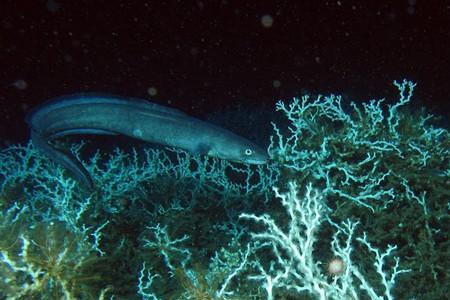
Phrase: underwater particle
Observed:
(7, 24)
(200, 5)
(411, 7)
(267, 21)
(194, 51)
(152, 91)
(25, 107)
(20, 84)
(68, 58)
(276, 83)
(336, 266)
(53, 6)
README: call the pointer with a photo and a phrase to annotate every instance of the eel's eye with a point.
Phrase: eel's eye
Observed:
(248, 152)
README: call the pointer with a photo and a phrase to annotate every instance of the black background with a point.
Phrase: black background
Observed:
(203, 56)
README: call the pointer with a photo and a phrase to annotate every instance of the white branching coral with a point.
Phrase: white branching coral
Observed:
(295, 268)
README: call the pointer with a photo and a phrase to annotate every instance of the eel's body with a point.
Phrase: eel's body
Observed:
(105, 114)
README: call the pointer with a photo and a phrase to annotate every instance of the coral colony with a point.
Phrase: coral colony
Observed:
(353, 205)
